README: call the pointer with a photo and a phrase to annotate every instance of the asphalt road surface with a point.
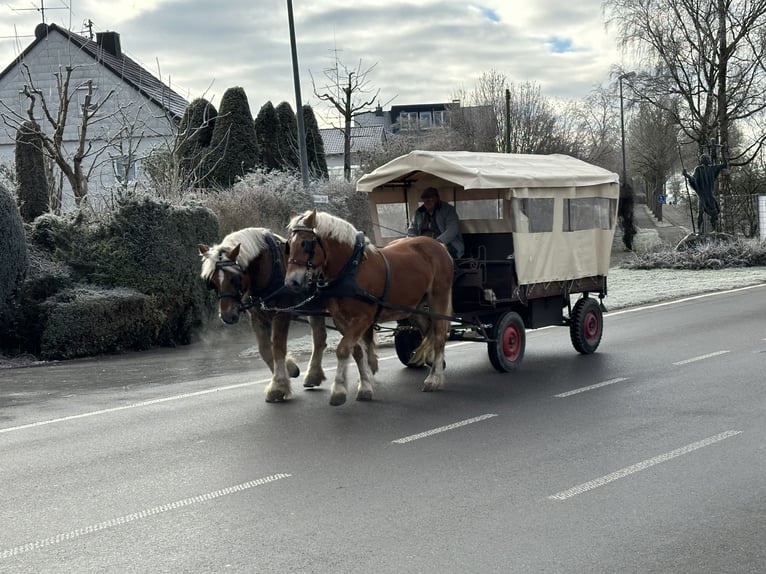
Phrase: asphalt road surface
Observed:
(648, 456)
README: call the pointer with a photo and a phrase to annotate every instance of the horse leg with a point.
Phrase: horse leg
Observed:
(348, 342)
(372, 355)
(315, 374)
(278, 388)
(362, 358)
(262, 329)
(438, 336)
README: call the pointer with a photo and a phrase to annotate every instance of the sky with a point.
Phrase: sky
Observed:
(419, 51)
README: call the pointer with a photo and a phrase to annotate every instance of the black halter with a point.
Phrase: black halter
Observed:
(275, 285)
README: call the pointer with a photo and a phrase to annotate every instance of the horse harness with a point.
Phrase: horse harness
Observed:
(345, 283)
(275, 285)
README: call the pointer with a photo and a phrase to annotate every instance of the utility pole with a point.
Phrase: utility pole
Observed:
(298, 100)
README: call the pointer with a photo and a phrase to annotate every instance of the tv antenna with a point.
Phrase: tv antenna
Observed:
(41, 9)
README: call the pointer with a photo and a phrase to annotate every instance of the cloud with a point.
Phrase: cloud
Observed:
(423, 51)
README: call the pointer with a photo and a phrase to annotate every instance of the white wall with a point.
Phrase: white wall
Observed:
(108, 132)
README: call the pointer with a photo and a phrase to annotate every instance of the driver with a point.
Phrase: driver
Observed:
(438, 219)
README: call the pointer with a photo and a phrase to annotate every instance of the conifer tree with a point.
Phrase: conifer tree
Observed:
(30, 171)
(267, 130)
(195, 132)
(233, 147)
(314, 145)
(288, 137)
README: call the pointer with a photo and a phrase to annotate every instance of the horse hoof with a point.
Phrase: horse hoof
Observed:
(337, 400)
(313, 381)
(276, 397)
(428, 388)
(364, 396)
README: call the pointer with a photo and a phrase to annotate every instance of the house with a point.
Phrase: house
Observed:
(134, 111)
(363, 138)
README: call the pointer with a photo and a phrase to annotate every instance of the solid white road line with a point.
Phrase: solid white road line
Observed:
(643, 465)
(130, 406)
(443, 429)
(590, 387)
(140, 515)
(700, 358)
(162, 400)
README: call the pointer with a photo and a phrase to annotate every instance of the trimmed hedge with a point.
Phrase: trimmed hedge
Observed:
(83, 322)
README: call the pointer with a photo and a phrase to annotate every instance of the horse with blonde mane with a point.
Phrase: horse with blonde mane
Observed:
(361, 285)
(247, 270)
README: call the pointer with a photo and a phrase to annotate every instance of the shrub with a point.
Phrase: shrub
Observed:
(83, 322)
(265, 199)
(712, 253)
(13, 248)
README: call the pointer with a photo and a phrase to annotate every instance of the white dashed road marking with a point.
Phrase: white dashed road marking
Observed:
(443, 429)
(590, 387)
(140, 515)
(643, 465)
(700, 358)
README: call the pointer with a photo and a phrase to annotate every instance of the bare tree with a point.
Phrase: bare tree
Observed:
(653, 149)
(345, 90)
(78, 164)
(707, 66)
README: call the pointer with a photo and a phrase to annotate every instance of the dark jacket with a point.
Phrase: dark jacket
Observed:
(449, 225)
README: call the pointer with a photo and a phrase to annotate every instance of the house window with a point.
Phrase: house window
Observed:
(408, 121)
(425, 120)
(124, 170)
(440, 118)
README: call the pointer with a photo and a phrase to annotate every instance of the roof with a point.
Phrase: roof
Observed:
(129, 71)
(475, 170)
(362, 139)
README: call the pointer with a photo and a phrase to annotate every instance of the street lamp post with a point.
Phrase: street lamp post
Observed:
(625, 76)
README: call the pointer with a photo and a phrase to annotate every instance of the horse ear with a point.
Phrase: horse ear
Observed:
(234, 253)
(293, 214)
(202, 248)
(310, 220)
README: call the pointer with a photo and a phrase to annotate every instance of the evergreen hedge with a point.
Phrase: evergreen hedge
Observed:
(13, 247)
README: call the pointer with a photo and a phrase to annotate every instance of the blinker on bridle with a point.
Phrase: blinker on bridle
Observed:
(222, 266)
(308, 246)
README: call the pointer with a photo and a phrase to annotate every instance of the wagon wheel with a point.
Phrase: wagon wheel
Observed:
(507, 349)
(586, 325)
(406, 340)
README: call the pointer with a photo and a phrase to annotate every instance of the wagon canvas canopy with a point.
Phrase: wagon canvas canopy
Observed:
(557, 213)
(476, 170)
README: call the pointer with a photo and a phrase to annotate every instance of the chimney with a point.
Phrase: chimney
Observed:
(109, 42)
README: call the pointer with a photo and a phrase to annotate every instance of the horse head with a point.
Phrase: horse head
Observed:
(306, 252)
(222, 272)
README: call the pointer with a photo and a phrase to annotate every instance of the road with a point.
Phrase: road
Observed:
(647, 456)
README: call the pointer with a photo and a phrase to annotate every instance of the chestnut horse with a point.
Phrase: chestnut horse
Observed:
(361, 285)
(247, 271)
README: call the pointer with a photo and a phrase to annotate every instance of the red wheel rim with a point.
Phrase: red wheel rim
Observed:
(591, 327)
(511, 342)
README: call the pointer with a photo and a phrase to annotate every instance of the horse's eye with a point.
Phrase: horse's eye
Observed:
(307, 244)
(236, 281)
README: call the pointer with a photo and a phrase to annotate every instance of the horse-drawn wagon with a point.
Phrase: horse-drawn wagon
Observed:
(538, 232)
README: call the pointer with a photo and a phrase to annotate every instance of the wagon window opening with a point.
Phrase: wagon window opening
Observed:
(479, 208)
(392, 220)
(533, 215)
(589, 213)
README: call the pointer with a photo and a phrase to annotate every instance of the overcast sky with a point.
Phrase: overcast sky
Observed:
(423, 50)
